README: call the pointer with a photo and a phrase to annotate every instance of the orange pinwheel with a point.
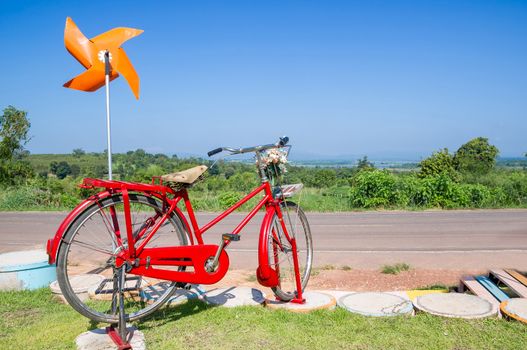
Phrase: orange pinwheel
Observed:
(91, 54)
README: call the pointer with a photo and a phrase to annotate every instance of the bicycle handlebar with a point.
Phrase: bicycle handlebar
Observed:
(281, 143)
(214, 151)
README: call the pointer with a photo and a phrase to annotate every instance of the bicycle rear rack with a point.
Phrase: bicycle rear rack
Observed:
(90, 183)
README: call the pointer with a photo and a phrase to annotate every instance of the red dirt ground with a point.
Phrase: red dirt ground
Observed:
(359, 280)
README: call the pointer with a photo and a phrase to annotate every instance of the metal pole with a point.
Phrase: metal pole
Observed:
(108, 126)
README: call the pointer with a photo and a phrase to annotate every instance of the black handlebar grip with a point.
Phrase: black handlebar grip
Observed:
(214, 151)
(283, 141)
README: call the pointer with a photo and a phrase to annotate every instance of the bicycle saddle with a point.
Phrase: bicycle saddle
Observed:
(188, 176)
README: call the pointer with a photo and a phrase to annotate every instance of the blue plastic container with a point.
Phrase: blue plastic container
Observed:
(25, 270)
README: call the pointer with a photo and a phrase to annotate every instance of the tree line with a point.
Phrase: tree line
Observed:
(466, 178)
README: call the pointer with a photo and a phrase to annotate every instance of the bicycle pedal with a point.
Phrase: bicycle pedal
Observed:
(230, 237)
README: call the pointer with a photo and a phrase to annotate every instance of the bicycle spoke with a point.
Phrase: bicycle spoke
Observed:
(92, 247)
(108, 225)
(89, 252)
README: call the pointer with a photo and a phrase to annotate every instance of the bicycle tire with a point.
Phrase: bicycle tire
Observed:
(281, 259)
(77, 258)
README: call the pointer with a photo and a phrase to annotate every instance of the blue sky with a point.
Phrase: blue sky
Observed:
(378, 78)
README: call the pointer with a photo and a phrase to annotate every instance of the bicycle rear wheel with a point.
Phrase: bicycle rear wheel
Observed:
(88, 251)
(280, 251)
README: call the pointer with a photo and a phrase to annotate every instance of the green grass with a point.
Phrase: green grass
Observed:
(33, 320)
(315, 271)
(395, 269)
(251, 278)
(437, 287)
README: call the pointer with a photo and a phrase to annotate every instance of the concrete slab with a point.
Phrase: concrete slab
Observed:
(376, 304)
(515, 308)
(314, 301)
(97, 339)
(151, 293)
(337, 294)
(234, 296)
(81, 284)
(456, 305)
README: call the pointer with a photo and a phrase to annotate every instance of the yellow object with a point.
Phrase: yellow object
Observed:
(509, 313)
(90, 53)
(412, 294)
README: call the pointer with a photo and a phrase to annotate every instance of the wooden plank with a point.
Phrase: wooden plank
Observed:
(492, 288)
(476, 288)
(510, 282)
(521, 278)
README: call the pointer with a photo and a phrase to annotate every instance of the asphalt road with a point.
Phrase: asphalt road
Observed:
(471, 239)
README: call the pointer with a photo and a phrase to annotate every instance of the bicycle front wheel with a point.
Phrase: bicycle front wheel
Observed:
(87, 254)
(280, 252)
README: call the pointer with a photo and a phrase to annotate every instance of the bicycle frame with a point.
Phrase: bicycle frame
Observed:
(199, 253)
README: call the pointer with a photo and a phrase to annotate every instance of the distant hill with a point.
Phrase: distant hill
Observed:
(41, 162)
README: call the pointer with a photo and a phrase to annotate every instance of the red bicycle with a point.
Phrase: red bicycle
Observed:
(131, 236)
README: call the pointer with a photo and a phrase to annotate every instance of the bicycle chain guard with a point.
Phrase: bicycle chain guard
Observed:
(151, 259)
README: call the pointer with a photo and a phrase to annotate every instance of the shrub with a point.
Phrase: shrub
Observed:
(395, 269)
(373, 188)
(228, 199)
(515, 188)
(25, 197)
(441, 162)
(479, 196)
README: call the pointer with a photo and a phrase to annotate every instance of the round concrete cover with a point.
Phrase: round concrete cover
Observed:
(234, 296)
(376, 304)
(98, 339)
(79, 283)
(515, 308)
(455, 305)
(23, 258)
(151, 293)
(314, 301)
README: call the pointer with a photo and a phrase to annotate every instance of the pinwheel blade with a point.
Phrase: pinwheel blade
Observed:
(77, 44)
(116, 37)
(125, 68)
(90, 80)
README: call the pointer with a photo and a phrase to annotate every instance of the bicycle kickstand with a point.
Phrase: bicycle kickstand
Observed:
(119, 334)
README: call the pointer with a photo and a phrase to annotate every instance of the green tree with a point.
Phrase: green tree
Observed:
(14, 129)
(364, 163)
(53, 167)
(75, 170)
(323, 178)
(61, 169)
(14, 134)
(476, 156)
(78, 152)
(441, 162)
